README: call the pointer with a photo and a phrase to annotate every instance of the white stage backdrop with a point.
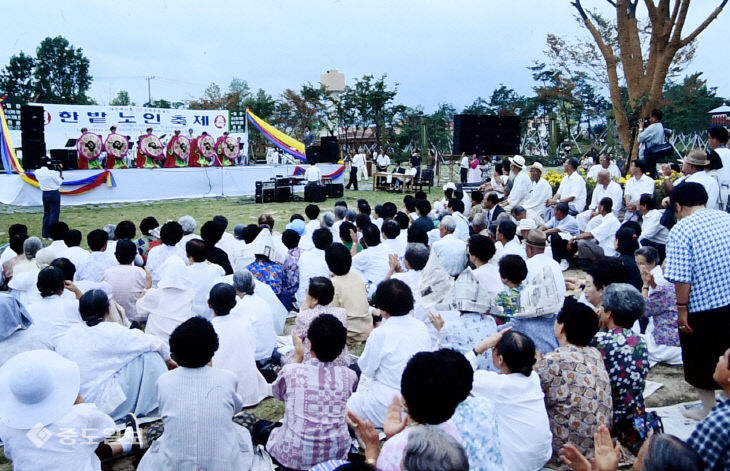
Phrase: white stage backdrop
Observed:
(141, 184)
(63, 122)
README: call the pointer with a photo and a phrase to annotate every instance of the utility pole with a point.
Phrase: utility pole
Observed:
(149, 93)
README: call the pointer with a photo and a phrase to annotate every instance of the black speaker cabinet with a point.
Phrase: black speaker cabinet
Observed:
(486, 135)
(330, 150)
(335, 190)
(282, 194)
(69, 158)
(315, 193)
(31, 122)
(314, 154)
(265, 195)
(33, 151)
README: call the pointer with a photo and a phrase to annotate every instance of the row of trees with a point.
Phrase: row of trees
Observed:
(637, 51)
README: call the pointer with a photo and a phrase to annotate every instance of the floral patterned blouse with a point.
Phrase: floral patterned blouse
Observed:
(627, 362)
(577, 397)
(270, 273)
(291, 274)
(662, 306)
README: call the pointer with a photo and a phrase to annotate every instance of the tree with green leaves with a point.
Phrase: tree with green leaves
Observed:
(122, 99)
(373, 100)
(478, 106)
(639, 48)
(16, 80)
(61, 73)
(261, 104)
(688, 104)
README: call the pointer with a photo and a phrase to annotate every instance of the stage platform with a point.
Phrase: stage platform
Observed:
(158, 184)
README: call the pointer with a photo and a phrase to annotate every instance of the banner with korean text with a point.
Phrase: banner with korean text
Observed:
(63, 122)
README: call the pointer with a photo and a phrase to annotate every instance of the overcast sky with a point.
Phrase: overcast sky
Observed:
(437, 51)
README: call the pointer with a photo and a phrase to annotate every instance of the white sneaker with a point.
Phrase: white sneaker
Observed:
(564, 265)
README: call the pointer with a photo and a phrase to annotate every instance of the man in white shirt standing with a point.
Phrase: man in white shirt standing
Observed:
(313, 175)
(599, 242)
(521, 185)
(464, 168)
(604, 163)
(383, 161)
(639, 184)
(605, 187)
(50, 178)
(717, 137)
(539, 192)
(653, 233)
(572, 190)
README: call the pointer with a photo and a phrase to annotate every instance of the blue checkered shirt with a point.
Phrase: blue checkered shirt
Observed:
(711, 438)
(698, 253)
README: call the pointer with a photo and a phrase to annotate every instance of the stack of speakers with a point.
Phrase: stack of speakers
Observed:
(33, 137)
(328, 151)
(265, 191)
(486, 135)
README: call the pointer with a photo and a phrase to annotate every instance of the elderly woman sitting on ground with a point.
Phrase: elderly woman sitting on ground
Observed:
(625, 356)
(575, 382)
(119, 366)
(662, 333)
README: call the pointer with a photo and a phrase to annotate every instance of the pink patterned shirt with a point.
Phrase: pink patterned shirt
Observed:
(314, 429)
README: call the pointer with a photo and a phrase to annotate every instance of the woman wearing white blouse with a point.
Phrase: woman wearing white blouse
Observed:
(524, 428)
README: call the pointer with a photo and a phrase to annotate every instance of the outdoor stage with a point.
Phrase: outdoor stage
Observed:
(159, 184)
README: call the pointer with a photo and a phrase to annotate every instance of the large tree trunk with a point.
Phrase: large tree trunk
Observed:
(644, 77)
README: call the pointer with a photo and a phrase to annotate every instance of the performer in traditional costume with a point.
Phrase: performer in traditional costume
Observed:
(149, 150)
(226, 151)
(178, 151)
(116, 147)
(203, 150)
(89, 147)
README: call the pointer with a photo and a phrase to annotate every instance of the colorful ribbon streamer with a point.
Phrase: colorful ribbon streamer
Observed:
(284, 142)
(12, 164)
(300, 171)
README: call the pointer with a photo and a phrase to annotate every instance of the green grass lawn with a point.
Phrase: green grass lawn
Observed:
(238, 210)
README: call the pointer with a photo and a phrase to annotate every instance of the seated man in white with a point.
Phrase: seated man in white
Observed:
(372, 263)
(540, 192)
(507, 237)
(456, 206)
(605, 187)
(450, 250)
(599, 242)
(559, 230)
(572, 190)
(521, 185)
(639, 184)
(387, 350)
(604, 163)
